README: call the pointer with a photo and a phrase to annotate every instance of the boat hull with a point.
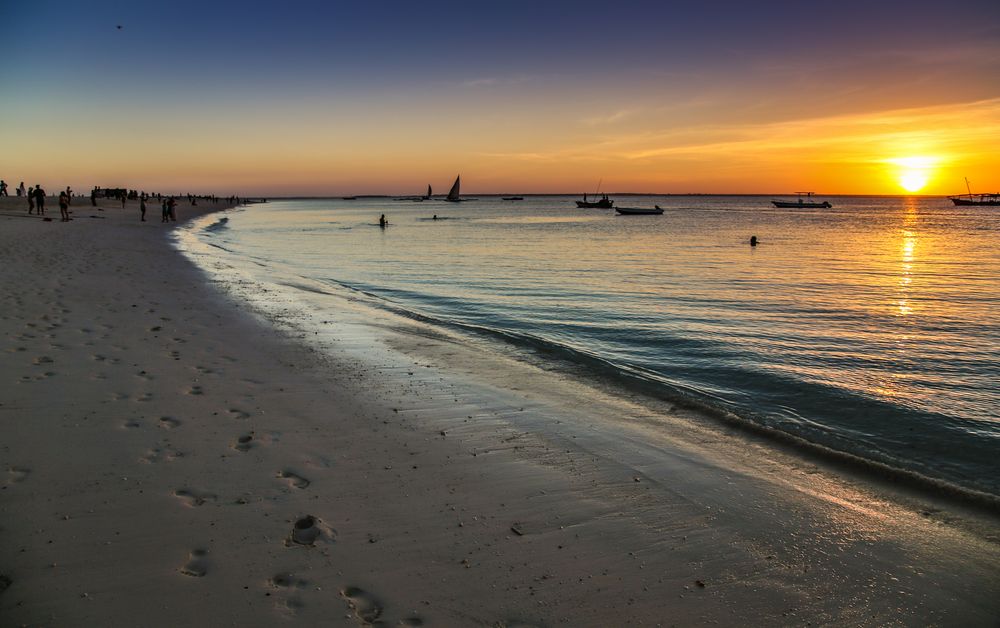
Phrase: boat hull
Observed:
(801, 204)
(988, 202)
(638, 211)
(602, 204)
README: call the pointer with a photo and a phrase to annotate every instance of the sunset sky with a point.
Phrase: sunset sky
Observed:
(317, 98)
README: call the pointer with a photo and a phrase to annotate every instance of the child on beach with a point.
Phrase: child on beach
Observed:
(63, 207)
(142, 208)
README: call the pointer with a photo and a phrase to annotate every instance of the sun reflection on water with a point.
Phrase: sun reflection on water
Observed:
(907, 248)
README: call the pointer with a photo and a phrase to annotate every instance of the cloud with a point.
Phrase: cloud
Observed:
(612, 118)
(480, 82)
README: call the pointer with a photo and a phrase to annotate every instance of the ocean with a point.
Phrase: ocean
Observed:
(869, 330)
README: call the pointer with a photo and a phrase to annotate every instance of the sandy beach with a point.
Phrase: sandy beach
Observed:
(173, 455)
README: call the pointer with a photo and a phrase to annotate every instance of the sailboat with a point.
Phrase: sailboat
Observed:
(416, 199)
(454, 192)
(975, 199)
(603, 203)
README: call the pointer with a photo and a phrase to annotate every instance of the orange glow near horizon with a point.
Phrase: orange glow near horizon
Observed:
(926, 150)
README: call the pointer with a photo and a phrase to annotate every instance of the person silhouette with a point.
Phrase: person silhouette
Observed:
(39, 200)
(382, 222)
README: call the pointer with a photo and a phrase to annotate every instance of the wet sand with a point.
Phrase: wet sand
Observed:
(173, 456)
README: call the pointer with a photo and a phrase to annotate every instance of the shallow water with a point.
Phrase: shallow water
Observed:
(872, 328)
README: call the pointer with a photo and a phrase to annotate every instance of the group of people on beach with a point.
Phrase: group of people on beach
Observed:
(168, 204)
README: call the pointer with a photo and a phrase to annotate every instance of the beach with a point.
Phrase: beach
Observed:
(173, 455)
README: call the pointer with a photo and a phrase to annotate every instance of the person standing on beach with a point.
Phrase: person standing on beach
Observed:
(172, 209)
(31, 201)
(3, 188)
(69, 195)
(39, 199)
(20, 189)
(63, 207)
(124, 198)
(142, 208)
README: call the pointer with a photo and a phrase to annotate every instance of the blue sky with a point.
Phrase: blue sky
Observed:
(513, 72)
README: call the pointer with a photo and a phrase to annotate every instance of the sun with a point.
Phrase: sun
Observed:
(913, 181)
(913, 173)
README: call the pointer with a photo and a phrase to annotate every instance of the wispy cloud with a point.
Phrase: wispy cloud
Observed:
(480, 82)
(611, 118)
(956, 129)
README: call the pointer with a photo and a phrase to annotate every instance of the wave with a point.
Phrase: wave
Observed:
(838, 443)
(218, 225)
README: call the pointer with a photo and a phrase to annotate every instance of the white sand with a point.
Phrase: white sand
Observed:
(159, 442)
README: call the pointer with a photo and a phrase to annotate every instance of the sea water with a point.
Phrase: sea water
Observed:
(871, 328)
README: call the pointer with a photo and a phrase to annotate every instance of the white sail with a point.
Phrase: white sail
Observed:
(429, 193)
(453, 194)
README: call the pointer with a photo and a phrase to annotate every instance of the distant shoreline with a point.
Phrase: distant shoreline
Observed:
(579, 194)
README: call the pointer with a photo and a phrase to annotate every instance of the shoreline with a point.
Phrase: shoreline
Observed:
(160, 456)
(867, 466)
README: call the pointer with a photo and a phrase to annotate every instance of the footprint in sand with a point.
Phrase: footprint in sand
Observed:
(411, 621)
(196, 390)
(365, 606)
(169, 422)
(287, 580)
(197, 564)
(44, 359)
(193, 498)
(161, 454)
(16, 475)
(131, 424)
(307, 530)
(238, 414)
(294, 479)
(245, 442)
(145, 397)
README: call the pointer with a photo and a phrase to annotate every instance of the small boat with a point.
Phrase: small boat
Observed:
(453, 194)
(427, 197)
(513, 198)
(977, 199)
(990, 200)
(807, 202)
(602, 203)
(348, 198)
(639, 211)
